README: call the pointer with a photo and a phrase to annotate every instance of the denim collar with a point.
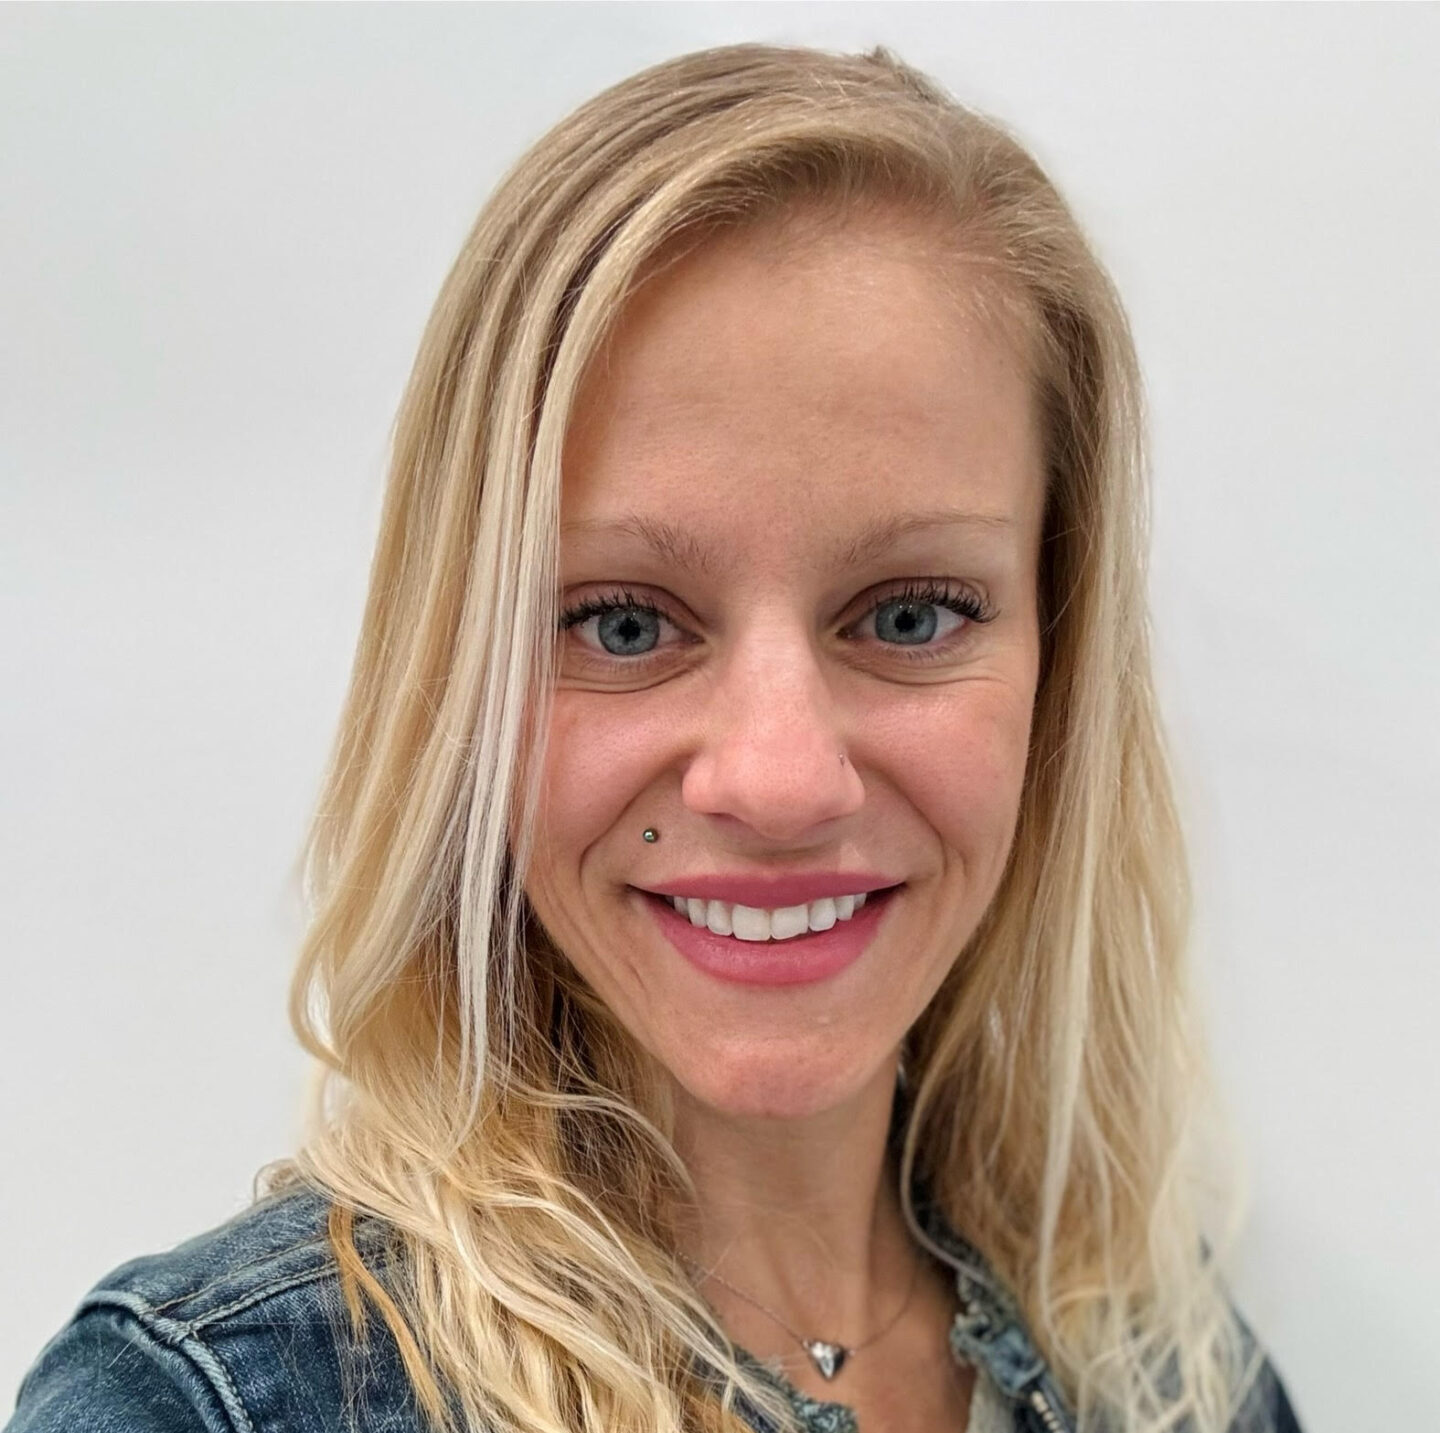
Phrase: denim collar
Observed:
(990, 1331)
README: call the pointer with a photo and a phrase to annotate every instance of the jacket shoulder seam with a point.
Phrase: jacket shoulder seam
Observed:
(325, 1266)
(229, 1274)
(182, 1339)
(104, 1294)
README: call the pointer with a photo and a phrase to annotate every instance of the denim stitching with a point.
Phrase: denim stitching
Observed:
(232, 1274)
(181, 1338)
(313, 1241)
(229, 1394)
(256, 1296)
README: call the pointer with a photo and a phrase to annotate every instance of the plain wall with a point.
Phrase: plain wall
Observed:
(221, 230)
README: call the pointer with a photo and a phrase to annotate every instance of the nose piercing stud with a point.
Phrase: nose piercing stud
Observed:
(650, 834)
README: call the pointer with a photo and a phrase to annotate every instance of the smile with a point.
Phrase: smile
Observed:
(750, 923)
(750, 945)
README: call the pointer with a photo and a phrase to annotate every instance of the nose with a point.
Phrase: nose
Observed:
(772, 753)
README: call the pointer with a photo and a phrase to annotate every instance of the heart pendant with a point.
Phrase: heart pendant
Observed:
(829, 1358)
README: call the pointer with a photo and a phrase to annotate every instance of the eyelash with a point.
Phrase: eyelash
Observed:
(958, 600)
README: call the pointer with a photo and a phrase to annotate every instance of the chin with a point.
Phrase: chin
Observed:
(777, 1083)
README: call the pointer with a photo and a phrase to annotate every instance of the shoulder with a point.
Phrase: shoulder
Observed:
(241, 1329)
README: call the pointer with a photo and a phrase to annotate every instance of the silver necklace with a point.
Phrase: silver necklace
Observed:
(828, 1357)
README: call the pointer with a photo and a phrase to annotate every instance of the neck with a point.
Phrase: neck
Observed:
(803, 1215)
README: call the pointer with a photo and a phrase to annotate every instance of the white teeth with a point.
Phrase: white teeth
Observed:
(750, 923)
(788, 921)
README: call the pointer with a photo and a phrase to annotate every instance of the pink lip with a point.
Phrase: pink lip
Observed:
(769, 893)
(798, 961)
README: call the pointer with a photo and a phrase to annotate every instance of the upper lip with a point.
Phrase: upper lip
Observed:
(773, 892)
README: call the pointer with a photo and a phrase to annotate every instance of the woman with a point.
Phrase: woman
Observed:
(747, 958)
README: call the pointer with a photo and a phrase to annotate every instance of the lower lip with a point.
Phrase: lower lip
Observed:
(801, 960)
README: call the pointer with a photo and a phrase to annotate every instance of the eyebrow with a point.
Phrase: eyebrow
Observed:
(679, 548)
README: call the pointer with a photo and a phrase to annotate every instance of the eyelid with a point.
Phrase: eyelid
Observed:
(916, 588)
(938, 591)
(605, 600)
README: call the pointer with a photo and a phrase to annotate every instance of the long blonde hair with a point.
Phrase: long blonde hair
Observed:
(469, 1090)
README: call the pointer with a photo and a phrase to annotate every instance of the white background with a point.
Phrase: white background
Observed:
(221, 230)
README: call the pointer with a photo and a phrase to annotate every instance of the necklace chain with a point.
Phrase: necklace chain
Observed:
(825, 1354)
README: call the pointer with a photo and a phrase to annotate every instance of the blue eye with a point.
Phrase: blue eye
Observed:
(911, 623)
(628, 631)
(911, 618)
(624, 625)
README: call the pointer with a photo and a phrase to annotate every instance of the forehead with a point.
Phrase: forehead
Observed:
(775, 377)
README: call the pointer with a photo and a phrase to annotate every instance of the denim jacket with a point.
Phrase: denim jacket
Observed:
(242, 1329)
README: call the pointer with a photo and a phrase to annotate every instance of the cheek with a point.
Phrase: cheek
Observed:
(960, 763)
(597, 760)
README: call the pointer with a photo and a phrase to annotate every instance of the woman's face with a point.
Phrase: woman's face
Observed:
(800, 523)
